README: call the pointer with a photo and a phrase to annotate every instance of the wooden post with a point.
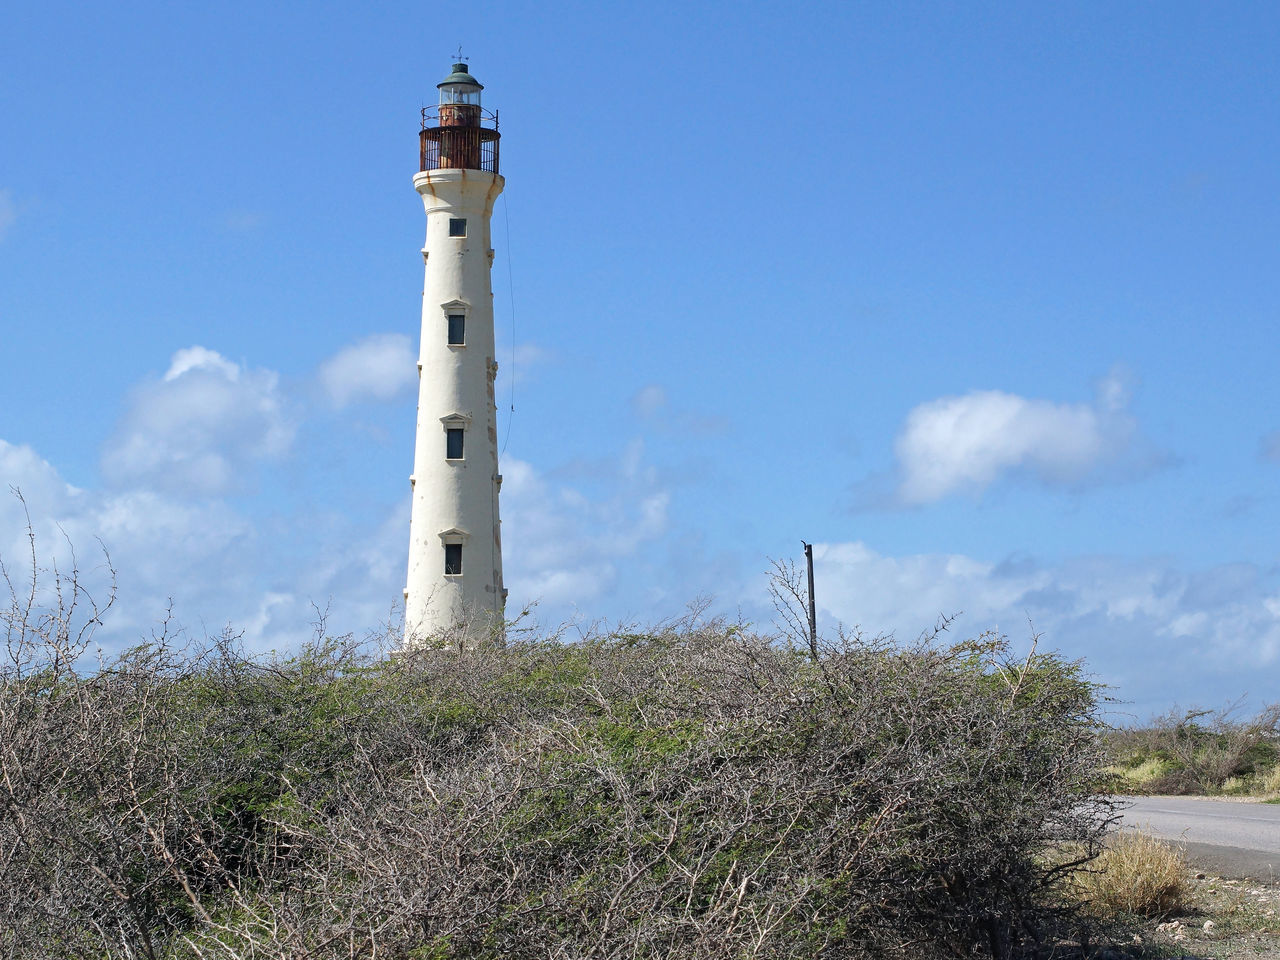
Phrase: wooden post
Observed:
(813, 609)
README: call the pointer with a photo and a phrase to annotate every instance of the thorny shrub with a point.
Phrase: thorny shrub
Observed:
(694, 791)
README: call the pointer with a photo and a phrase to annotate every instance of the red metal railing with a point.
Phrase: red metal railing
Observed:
(458, 137)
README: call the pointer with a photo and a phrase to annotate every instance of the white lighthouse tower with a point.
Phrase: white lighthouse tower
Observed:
(454, 588)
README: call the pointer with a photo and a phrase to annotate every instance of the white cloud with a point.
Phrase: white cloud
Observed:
(46, 495)
(564, 547)
(380, 367)
(649, 400)
(1115, 390)
(8, 212)
(215, 565)
(1150, 629)
(964, 444)
(652, 403)
(200, 358)
(200, 428)
(22, 467)
(908, 593)
(160, 547)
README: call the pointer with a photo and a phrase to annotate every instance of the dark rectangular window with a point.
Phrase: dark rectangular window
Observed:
(457, 227)
(457, 329)
(452, 559)
(453, 443)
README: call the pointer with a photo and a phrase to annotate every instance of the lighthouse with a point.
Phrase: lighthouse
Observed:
(453, 593)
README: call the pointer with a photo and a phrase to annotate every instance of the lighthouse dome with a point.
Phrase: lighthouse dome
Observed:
(460, 86)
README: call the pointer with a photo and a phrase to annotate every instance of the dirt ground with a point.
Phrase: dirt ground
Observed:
(1224, 919)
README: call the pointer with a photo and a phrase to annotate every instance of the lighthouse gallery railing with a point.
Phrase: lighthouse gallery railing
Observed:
(445, 143)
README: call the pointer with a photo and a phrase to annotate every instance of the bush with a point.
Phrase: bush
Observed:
(697, 791)
(1136, 874)
(1198, 751)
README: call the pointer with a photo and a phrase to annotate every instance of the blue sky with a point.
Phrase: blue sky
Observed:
(980, 298)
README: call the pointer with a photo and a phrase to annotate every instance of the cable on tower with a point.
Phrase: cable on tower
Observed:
(511, 292)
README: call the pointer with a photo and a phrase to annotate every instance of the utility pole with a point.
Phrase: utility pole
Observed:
(813, 609)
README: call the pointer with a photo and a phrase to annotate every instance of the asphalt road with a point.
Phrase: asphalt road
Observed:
(1233, 839)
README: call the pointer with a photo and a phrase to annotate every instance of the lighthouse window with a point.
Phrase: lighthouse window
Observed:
(453, 443)
(457, 227)
(457, 329)
(452, 559)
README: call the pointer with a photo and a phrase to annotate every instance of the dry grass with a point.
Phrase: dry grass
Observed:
(1271, 780)
(1150, 770)
(1136, 874)
(1237, 786)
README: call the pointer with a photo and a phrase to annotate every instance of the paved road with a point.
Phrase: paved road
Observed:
(1236, 839)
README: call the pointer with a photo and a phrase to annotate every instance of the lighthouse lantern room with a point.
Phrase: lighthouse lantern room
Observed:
(458, 132)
